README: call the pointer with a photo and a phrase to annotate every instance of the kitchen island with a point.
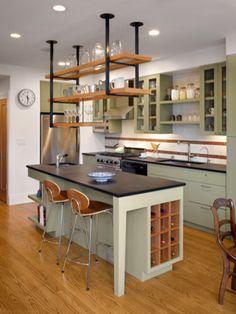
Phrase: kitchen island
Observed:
(147, 218)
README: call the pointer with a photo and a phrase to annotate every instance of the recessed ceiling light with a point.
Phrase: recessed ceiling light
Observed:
(15, 35)
(61, 63)
(59, 8)
(154, 32)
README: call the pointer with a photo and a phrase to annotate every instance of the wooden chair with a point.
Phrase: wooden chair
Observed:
(228, 253)
(83, 207)
(57, 197)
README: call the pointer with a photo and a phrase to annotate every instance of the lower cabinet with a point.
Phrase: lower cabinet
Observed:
(202, 188)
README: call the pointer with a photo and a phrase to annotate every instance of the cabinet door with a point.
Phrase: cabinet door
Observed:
(209, 99)
(222, 110)
(231, 95)
(140, 125)
(152, 103)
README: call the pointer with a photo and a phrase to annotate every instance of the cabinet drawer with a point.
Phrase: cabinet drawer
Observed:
(180, 173)
(204, 193)
(201, 214)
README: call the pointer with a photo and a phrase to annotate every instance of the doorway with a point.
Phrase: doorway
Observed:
(3, 150)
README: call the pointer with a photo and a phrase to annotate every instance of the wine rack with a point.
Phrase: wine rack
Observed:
(165, 229)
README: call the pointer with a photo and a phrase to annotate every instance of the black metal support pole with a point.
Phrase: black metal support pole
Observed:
(107, 17)
(77, 50)
(136, 26)
(51, 43)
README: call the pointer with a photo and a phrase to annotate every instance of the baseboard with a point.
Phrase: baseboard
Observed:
(15, 199)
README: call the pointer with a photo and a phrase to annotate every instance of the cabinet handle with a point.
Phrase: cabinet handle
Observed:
(205, 186)
(205, 208)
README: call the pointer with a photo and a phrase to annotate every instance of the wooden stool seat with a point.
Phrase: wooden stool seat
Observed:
(55, 196)
(95, 207)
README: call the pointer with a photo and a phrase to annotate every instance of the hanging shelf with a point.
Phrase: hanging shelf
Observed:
(104, 65)
(98, 66)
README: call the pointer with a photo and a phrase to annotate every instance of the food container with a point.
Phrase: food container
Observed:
(175, 93)
(190, 91)
(182, 93)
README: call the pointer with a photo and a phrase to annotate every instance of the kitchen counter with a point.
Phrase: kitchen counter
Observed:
(175, 163)
(123, 184)
(135, 236)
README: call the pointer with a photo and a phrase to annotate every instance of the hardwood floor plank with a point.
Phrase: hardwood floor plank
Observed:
(32, 283)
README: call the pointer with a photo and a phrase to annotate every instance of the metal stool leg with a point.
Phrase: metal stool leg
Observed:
(68, 248)
(44, 232)
(60, 234)
(90, 249)
(96, 238)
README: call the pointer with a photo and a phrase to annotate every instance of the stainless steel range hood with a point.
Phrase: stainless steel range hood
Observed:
(120, 112)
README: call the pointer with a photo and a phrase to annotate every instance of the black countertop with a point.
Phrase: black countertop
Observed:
(174, 163)
(123, 184)
(169, 162)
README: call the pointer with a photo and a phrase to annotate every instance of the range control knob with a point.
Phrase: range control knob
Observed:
(111, 161)
(107, 161)
(116, 162)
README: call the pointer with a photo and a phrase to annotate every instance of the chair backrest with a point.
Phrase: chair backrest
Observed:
(221, 235)
(79, 201)
(52, 189)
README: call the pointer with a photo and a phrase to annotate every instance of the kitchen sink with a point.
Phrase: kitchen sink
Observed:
(182, 162)
(63, 164)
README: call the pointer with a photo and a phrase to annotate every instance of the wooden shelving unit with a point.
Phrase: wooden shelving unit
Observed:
(180, 122)
(79, 124)
(103, 65)
(165, 232)
(98, 66)
(126, 92)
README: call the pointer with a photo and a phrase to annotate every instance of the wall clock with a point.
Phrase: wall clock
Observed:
(26, 97)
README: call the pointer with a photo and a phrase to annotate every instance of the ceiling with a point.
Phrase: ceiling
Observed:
(184, 25)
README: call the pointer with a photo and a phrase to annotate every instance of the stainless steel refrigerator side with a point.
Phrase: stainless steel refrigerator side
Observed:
(58, 140)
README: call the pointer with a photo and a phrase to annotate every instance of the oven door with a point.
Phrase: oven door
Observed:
(134, 167)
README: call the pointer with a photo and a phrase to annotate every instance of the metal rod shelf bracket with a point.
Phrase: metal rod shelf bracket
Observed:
(77, 54)
(51, 43)
(107, 17)
(136, 26)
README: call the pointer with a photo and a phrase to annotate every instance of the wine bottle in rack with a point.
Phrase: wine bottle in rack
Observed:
(163, 211)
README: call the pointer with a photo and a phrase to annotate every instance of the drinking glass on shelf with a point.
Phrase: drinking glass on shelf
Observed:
(71, 61)
(84, 57)
(73, 116)
(66, 116)
(98, 52)
(89, 111)
(116, 47)
(69, 116)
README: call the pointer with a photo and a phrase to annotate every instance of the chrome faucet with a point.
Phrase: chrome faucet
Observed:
(59, 158)
(189, 149)
(207, 151)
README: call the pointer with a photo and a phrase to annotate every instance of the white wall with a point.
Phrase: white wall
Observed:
(23, 132)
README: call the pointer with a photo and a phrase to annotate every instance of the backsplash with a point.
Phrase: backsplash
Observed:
(171, 145)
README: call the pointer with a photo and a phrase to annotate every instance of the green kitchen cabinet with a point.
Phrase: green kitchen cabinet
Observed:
(202, 188)
(213, 99)
(58, 91)
(146, 108)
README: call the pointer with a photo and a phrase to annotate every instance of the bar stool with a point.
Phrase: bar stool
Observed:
(83, 207)
(57, 197)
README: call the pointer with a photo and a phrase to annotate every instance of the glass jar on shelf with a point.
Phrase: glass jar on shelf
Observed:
(182, 93)
(175, 93)
(197, 92)
(116, 47)
(98, 52)
(190, 91)
(84, 57)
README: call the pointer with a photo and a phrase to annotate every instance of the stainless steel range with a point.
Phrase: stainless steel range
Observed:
(113, 159)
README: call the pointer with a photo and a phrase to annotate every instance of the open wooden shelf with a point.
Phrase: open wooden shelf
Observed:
(98, 66)
(126, 92)
(79, 124)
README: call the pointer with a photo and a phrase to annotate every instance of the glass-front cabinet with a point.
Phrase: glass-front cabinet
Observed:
(146, 107)
(213, 99)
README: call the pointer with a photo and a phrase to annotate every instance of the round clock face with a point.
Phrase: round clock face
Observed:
(26, 97)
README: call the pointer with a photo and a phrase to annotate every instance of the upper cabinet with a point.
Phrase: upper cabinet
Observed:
(213, 99)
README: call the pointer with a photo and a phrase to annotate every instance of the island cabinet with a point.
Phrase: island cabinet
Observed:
(146, 237)
(213, 99)
(202, 188)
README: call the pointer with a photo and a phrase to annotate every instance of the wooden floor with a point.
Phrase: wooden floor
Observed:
(30, 283)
